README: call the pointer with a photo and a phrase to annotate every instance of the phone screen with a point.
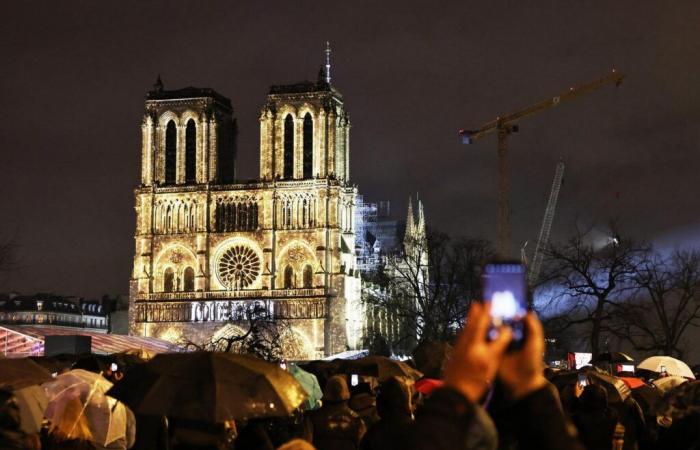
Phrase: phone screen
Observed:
(113, 367)
(506, 288)
(354, 379)
(582, 379)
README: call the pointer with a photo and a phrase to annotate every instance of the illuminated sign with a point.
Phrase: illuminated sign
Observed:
(224, 311)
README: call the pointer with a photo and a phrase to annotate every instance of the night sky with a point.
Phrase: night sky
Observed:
(74, 76)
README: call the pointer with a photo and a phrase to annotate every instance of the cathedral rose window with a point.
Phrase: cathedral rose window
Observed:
(238, 267)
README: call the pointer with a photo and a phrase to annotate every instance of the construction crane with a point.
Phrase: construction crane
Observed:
(543, 238)
(507, 124)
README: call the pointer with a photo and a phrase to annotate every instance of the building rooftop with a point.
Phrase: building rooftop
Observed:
(159, 93)
(51, 302)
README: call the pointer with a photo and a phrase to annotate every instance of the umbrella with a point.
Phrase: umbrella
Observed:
(382, 367)
(79, 397)
(19, 373)
(680, 401)
(309, 382)
(665, 384)
(427, 385)
(211, 387)
(617, 390)
(32, 402)
(55, 363)
(673, 366)
(648, 398)
(141, 353)
(613, 357)
(632, 382)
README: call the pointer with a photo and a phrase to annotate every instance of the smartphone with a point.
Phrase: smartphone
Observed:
(505, 286)
(354, 379)
(582, 379)
(113, 367)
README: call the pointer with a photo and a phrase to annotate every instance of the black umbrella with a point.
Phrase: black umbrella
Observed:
(613, 357)
(210, 387)
(21, 373)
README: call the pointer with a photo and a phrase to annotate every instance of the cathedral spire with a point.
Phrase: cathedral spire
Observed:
(420, 227)
(410, 222)
(158, 86)
(328, 62)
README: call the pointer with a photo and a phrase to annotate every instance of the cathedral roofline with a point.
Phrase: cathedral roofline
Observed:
(303, 87)
(188, 92)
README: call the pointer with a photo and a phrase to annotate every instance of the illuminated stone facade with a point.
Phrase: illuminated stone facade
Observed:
(207, 243)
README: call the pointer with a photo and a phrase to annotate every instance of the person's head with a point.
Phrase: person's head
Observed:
(394, 398)
(594, 398)
(336, 390)
(9, 411)
(296, 444)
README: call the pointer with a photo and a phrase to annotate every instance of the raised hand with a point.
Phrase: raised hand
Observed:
(522, 371)
(475, 360)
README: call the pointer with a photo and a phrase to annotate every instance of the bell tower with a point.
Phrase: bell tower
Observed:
(188, 137)
(305, 132)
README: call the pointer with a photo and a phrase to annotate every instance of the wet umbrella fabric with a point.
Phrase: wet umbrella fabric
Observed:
(618, 391)
(665, 384)
(20, 373)
(681, 401)
(673, 366)
(210, 387)
(383, 368)
(310, 384)
(32, 402)
(105, 416)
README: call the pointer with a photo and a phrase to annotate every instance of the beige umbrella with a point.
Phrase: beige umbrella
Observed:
(32, 403)
(665, 384)
(671, 366)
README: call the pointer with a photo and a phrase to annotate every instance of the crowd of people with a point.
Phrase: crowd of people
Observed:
(490, 397)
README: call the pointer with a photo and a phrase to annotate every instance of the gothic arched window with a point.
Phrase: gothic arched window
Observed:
(168, 280)
(170, 152)
(188, 285)
(308, 277)
(288, 277)
(191, 152)
(288, 147)
(308, 146)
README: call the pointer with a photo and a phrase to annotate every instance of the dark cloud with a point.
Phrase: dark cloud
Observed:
(75, 74)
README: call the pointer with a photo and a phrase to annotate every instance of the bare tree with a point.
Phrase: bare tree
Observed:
(429, 286)
(665, 304)
(262, 335)
(589, 279)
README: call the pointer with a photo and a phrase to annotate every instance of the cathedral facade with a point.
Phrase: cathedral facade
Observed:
(208, 244)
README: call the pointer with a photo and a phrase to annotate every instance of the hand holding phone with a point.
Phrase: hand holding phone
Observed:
(582, 379)
(505, 287)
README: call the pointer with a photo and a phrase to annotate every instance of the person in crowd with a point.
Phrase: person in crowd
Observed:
(335, 425)
(254, 434)
(296, 444)
(448, 416)
(72, 432)
(396, 417)
(198, 435)
(11, 435)
(594, 419)
(364, 403)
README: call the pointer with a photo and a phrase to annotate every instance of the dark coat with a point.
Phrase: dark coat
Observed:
(389, 433)
(537, 422)
(336, 427)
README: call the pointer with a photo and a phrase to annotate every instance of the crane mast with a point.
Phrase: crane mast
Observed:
(543, 238)
(507, 124)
